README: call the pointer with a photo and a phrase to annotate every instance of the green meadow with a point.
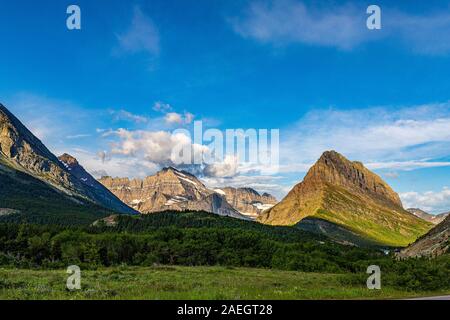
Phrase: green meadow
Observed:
(177, 282)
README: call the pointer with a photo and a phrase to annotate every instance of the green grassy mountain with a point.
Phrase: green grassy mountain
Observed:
(349, 195)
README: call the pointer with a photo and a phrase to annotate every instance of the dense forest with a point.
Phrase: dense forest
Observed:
(194, 239)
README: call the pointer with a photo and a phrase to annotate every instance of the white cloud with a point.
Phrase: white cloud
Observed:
(286, 21)
(128, 116)
(157, 147)
(116, 166)
(173, 117)
(342, 26)
(78, 136)
(261, 183)
(177, 118)
(103, 156)
(392, 175)
(161, 107)
(142, 35)
(405, 139)
(188, 117)
(405, 165)
(435, 202)
(227, 168)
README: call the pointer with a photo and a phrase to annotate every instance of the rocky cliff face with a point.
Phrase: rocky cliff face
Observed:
(334, 169)
(24, 151)
(169, 189)
(247, 200)
(434, 219)
(434, 243)
(348, 194)
(21, 150)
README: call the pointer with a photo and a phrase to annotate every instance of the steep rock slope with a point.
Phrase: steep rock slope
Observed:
(436, 242)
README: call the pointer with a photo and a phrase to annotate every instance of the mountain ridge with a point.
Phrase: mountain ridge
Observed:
(169, 189)
(173, 189)
(21, 151)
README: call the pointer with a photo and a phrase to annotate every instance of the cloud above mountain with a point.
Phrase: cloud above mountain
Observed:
(430, 201)
(406, 139)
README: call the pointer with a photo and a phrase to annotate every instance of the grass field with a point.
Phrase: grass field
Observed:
(189, 283)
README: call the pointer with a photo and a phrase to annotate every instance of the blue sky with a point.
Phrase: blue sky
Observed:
(309, 68)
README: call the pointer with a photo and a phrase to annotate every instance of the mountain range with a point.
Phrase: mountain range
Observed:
(172, 189)
(338, 198)
(434, 219)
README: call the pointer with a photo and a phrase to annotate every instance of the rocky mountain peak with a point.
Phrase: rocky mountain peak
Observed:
(16, 139)
(333, 168)
(347, 194)
(67, 159)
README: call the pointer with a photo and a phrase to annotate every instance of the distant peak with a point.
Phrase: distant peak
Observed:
(68, 159)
